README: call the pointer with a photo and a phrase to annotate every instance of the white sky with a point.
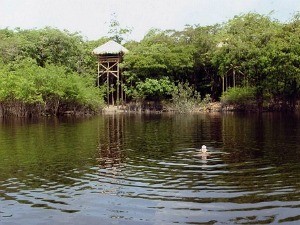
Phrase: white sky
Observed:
(92, 17)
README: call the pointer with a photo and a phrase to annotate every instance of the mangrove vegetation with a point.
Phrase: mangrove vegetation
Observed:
(250, 62)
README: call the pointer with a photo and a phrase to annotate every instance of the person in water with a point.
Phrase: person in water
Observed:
(203, 152)
(203, 149)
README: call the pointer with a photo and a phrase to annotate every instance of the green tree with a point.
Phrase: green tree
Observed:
(116, 32)
(244, 54)
(159, 55)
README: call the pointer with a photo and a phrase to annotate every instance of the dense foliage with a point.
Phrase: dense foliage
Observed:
(46, 72)
(28, 89)
(251, 59)
(241, 96)
(249, 52)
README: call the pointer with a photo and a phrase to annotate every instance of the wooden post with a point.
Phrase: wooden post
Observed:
(121, 89)
(118, 85)
(98, 74)
(107, 80)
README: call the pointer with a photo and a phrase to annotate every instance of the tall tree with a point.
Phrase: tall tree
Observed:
(116, 32)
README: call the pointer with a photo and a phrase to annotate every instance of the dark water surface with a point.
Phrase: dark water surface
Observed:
(144, 169)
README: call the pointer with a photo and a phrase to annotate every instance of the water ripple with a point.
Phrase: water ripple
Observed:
(187, 185)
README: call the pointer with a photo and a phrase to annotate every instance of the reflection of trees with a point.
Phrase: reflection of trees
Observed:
(47, 149)
(111, 141)
(145, 148)
(44, 158)
(259, 156)
(157, 136)
(257, 136)
(243, 137)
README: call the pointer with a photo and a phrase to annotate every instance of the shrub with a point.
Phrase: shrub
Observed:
(154, 89)
(26, 85)
(184, 98)
(238, 96)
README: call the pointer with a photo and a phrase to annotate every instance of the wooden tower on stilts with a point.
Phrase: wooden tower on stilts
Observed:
(109, 57)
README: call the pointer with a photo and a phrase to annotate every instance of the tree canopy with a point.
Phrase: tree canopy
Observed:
(46, 71)
(251, 54)
(249, 51)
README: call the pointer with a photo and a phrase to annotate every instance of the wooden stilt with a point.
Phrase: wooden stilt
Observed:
(107, 80)
(121, 90)
(98, 75)
(118, 86)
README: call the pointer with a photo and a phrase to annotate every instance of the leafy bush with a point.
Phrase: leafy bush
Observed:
(184, 98)
(156, 89)
(238, 96)
(24, 84)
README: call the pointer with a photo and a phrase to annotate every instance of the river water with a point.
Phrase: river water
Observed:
(146, 169)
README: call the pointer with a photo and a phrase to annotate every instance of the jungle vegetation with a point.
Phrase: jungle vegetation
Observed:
(251, 60)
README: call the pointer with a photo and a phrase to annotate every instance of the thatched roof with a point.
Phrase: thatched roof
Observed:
(110, 47)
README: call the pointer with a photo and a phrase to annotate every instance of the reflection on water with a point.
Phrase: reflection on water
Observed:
(146, 169)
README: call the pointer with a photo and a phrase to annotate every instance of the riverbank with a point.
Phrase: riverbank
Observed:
(159, 108)
(211, 107)
(38, 110)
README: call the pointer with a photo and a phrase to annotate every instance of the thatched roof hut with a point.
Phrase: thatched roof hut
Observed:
(110, 47)
(109, 57)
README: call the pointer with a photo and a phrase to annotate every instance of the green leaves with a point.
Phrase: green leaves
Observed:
(46, 46)
(152, 66)
(51, 87)
(262, 53)
(248, 50)
(49, 68)
(116, 32)
(239, 96)
(184, 98)
(152, 88)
